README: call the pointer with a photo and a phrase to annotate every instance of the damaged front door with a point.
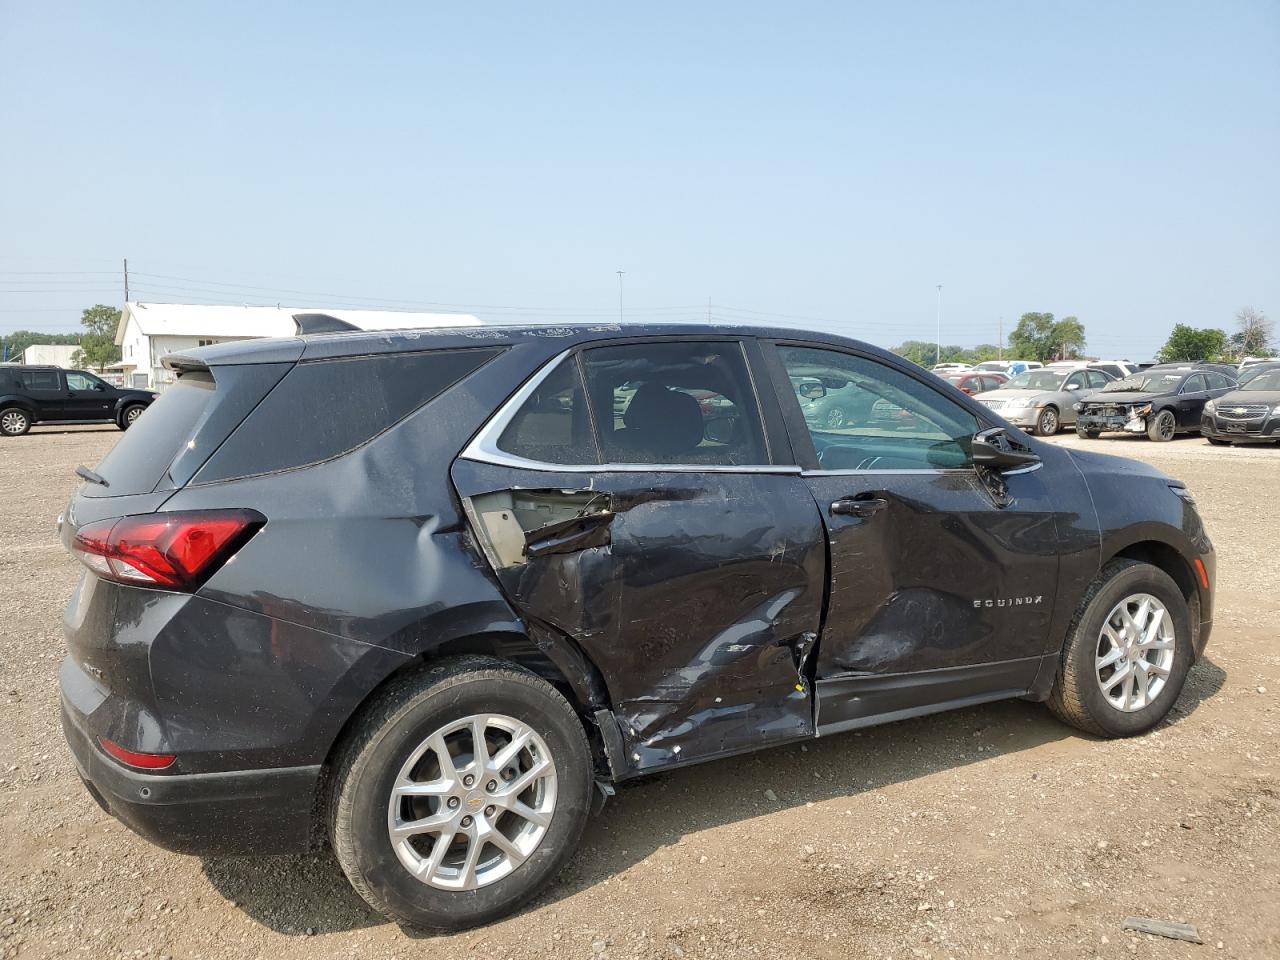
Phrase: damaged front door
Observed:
(694, 587)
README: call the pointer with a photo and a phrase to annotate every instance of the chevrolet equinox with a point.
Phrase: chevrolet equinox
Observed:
(428, 595)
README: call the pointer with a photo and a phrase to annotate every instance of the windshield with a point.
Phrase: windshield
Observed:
(1038, 380)
(1266, 380)
(1146, 383)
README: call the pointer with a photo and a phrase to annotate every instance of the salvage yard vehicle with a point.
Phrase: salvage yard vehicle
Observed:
(41, 394)
(1160, 402)
(479, 591)
(1043, 401)
(1250, 412)
(975, 382)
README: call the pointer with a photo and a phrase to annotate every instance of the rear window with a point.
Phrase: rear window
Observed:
(140, 458)
(39, 379)
(325, 408)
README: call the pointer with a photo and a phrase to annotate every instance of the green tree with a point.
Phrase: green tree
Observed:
(98, 346)
(1253, 338)
(1032, 338)
(1188, 343)
(12, 344)
(1068, 337)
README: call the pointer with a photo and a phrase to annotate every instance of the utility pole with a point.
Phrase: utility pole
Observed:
(708, 309)
(939, 360)
(1000, 343)
(620, 272)
(126, 279)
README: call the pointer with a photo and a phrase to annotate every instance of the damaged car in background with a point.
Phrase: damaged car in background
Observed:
(1044, 401)
(509, 568)
(1160, 402)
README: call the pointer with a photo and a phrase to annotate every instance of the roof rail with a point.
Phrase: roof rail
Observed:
(320, 323)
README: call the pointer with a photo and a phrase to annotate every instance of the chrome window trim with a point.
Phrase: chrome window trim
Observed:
(483, 447)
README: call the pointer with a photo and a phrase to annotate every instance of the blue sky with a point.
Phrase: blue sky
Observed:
(833, 161)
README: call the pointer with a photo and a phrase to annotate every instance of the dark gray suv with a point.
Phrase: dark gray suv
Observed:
(426, 594)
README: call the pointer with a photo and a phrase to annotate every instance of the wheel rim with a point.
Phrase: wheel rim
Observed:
(13, 422)
(835, 417)
(472, 802)
(1049, 422)
(133, 414)
(1135, 652)
(1164, 425)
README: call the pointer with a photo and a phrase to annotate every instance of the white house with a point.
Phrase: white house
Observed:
(149, 331)
(50, 355)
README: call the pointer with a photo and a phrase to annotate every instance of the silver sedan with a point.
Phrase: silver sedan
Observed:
(1043, 401)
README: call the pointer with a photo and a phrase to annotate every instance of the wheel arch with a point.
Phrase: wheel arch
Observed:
(1168, 558)
(555, 659)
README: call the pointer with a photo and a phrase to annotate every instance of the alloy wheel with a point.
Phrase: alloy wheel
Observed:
(1049, 422)
(1165, 425)
(14, 422)
(472, 802)
(133, 414)
(1134, 656)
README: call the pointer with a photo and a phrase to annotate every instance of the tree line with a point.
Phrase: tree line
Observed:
(1042, 337)
(97, 343)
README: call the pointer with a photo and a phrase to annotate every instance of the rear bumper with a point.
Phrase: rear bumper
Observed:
(238, 812)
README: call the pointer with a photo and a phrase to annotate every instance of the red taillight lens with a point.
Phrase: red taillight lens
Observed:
(143, 761)
(174, 550)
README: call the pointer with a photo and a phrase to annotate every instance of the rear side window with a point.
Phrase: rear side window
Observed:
(325, 408)
(660, 402)
(140, 458)
(553, 425)
(39, 380)
(674, 403)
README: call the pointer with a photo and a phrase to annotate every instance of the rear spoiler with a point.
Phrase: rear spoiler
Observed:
(320, 323)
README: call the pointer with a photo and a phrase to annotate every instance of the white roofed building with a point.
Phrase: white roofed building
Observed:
(148, 332)
(50, 354)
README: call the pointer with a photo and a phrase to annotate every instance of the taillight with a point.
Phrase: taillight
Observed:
(143, 761)
(178, 551)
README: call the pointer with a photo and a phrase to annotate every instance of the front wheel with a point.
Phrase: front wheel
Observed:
(130, 415)
(1127, 652)
(1047, 423)
(1162, 426)
(459, 793)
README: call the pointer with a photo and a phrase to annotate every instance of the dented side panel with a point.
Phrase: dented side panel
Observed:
(700, 607)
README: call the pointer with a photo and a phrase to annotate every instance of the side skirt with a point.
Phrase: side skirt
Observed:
(847, 703)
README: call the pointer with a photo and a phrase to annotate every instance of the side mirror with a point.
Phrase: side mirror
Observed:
(998, 451)
(811, 390)
(100, 387)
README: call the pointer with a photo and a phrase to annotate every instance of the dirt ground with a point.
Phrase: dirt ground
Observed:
(989, 831)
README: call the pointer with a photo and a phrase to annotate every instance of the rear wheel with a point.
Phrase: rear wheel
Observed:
(1127, 652)
(1047, 423)
(14, 421)
(1162, 426)
(460, 793)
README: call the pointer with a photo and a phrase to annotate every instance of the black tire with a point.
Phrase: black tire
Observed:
(1077, 698)
(384, 737)
(129, 414)
(1162, 427)
(1048, 423)
(1084, 434)
(14, 422)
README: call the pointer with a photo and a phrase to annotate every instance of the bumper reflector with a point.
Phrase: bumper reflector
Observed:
(141, 761)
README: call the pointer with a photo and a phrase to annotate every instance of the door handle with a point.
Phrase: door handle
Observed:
(858, 508)
(569, 536)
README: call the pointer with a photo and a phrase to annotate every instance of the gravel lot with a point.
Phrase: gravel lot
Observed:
(986, 831)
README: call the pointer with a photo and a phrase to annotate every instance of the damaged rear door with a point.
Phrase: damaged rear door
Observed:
(629, 504)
